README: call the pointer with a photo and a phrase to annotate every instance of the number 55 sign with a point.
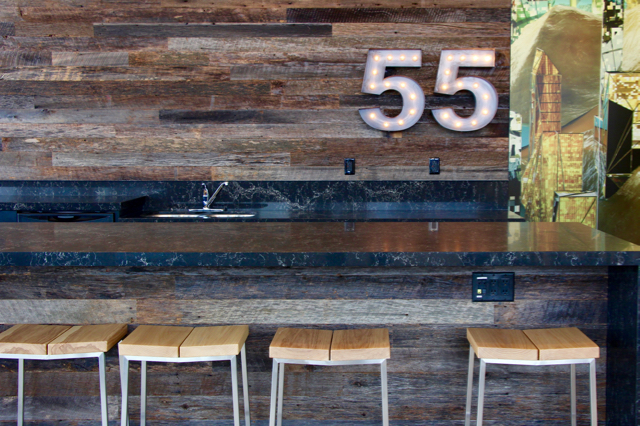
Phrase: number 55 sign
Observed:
(447, 82)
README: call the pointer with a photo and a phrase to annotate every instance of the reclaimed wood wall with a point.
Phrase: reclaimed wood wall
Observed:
(235, 90)
(426, 309)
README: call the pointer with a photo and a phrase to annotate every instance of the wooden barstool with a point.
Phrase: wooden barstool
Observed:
(553, 346)
(51, 342)
(184, 344)
(325, 347)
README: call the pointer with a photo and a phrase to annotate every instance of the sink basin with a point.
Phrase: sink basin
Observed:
(194, 215)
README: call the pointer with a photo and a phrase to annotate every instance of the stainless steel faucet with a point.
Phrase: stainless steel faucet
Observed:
(207, 205)
(208, 200)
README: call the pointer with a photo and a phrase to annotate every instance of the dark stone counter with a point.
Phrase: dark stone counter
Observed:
(312, 244)
(76, 203)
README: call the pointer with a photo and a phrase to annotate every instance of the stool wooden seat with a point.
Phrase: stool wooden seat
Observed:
(157, 343)
(325, 347)
(532, 347)
(51, 342)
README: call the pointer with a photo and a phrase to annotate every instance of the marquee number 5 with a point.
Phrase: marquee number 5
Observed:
(375, 83)
(448, 82)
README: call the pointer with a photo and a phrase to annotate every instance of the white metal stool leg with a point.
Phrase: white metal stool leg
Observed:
(20, 391)
(245, 385)
(467, 414)
(124, 386)
(234, 391)
(274, 390)
(483, 370)
(143, 393)
(280, 392)
(574, 415)
(385, 393)
(592, 393)
(103, 390)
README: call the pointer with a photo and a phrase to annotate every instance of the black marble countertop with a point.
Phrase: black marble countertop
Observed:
(311, 244)
(390, 215)
(75, 203)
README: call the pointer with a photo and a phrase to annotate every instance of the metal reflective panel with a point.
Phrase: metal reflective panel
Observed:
(169, 215)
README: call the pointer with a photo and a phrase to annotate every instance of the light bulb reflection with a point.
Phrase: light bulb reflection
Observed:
(376, 58)
(402, 57)
(373, 86)
(412, 111)
(374, 72)
(412, 96)
(415, 58)
(485, 111)
(372, 115)
(390, 58)
(385, 124)
(401, 122)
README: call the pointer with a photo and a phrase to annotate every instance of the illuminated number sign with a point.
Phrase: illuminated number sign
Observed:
(447, 83)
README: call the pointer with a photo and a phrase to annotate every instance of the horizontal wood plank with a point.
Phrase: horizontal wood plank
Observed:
(28, 29)
(67, 311)
(315, 312)
(223, 30)
(171, 159)
(394, 15)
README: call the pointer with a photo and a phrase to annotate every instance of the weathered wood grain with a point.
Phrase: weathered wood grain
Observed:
(117, 73)
(7, 29)
(135, 88)
(17, 102)
(84, 59)
(449, 29)
(171, 160)
(337, 4)
(82, 44)
(63, 29)
(336, 49)
(67, 311)
(174, 59)
(552, 312)
(274, 283)
(56, 130)
(276, 102)
(408, 15)
(223, 30)
(314, 312)
(364, 173)
(110, 11)
(77, 116)
(25, 159)
(24, 58)
(118, 101)
(101, 173)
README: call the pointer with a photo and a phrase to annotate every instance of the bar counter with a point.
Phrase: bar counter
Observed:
(311, 244)
(413, 277)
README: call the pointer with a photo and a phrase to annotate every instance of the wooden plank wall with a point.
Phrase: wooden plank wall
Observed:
(235, 90)
(426, 309)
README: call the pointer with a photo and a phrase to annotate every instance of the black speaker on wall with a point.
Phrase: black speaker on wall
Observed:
(619, 152)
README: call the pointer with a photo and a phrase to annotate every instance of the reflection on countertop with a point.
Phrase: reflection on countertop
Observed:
(311, 244)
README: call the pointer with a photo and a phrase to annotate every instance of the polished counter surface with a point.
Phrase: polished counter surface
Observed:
(311, 244)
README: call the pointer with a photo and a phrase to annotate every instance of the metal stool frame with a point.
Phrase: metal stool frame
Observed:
(572, 362)
(22, 357)
(124, 381)
(277, 383)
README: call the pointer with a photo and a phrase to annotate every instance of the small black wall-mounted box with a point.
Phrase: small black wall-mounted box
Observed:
(349, 166)
(492, 287)
(434, 166)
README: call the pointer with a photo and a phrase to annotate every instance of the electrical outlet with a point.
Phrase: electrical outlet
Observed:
(493, 287)
(434, 166)
(349, 166)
